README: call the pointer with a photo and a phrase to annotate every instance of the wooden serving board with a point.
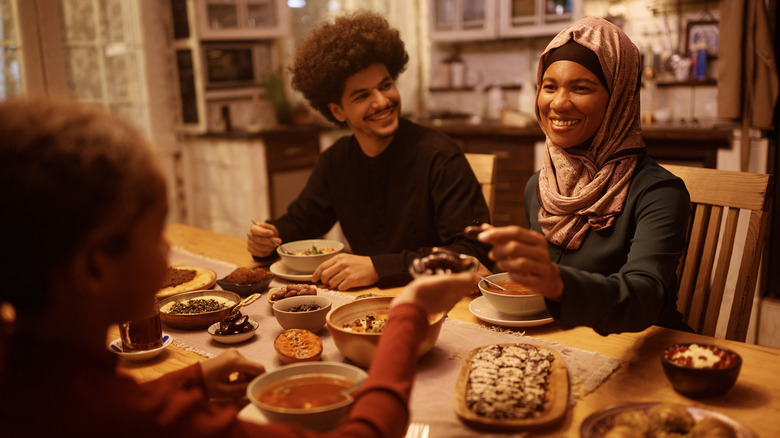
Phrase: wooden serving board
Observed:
(554, 407)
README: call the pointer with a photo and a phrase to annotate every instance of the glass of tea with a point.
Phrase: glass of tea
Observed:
(142, 334)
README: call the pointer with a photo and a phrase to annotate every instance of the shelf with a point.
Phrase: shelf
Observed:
(689, 83)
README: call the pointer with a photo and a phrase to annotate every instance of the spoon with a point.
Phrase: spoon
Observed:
(278, 246)
(245, 302)
(492, 283)
(349, 392)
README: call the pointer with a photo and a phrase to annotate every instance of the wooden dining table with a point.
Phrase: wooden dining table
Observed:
(754, 401)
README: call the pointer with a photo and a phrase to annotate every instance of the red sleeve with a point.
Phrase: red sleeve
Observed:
(381, 408)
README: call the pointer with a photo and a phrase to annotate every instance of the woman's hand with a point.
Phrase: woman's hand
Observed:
(228, 375)
(262, 239)
(524, 255)
(437, 293)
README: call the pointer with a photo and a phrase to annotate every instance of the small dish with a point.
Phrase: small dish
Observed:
(139, 356)
(246, 289)
(281, 270)
(297, 345)
(482, 309)
(235, 338)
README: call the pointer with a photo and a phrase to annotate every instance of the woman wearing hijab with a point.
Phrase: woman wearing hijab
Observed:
(607, 223)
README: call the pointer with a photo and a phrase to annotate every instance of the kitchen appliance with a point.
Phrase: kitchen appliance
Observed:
(235, 64)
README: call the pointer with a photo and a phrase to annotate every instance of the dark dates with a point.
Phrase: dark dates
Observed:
(441, 261)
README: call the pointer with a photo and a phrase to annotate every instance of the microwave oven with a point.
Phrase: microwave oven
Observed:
(235, 65)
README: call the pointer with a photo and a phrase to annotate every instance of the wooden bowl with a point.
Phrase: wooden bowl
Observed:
(697, 381)
(197, 321)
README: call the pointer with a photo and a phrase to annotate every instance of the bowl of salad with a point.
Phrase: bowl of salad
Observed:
(357, 325)
(304, 256)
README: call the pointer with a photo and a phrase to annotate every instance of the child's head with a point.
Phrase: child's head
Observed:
(73, 177)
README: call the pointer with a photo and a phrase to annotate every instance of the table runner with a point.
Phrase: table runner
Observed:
(432, 396)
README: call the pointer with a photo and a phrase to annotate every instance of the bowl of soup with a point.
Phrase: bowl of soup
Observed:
(303, 256)
(316, 395)
(356, 327)
(515, 300)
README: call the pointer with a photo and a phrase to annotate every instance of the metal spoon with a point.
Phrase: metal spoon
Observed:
(279, 246)
(245, 302)
(492, 283)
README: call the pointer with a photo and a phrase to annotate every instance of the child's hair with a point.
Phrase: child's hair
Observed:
(71, 173)
(335, 51)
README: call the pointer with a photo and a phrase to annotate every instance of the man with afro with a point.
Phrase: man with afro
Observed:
(397, 188)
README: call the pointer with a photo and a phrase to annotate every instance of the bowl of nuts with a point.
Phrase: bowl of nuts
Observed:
(305, 312)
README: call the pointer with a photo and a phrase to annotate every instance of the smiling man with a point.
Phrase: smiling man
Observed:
(397, 188)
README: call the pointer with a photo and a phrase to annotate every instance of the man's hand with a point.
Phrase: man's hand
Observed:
(262, 239)
(346, 271)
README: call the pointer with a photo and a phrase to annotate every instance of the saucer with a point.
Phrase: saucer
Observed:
(281, 270)
(480, 308)
(252, 414)
(138, 356)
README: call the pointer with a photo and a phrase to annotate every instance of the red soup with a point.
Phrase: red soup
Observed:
(512, 288)
(306, 392)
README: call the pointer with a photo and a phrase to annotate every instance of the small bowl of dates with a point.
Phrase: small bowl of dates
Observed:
(701, 370)
(233, 329)
(305, 312)
(442, 261)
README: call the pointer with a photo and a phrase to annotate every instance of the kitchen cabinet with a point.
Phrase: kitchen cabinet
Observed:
(242, 19)
(528, 18)
(463, 20)
(208, 83)
(470, 20)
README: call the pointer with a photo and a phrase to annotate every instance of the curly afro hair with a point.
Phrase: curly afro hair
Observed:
(335, 51)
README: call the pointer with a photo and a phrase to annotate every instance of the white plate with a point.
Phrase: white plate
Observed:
(281, 270)
(138, 356)
(234, 338)
(480, 308)
(596, 425)
(251, 413)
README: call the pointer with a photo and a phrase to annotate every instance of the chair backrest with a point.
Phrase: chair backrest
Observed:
(484, 167)
(704, 267)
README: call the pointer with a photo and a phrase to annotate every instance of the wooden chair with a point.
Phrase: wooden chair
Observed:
(484, 167)
(704, 267)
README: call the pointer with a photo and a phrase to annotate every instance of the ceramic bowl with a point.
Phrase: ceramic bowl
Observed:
(197, 321)
(139, 356)
(696, 380)
(360, 347)
(234, 338)
(308, 320)
(307, 264)
(320, 418)
(296, 345)
(246, 289)
(518, 305)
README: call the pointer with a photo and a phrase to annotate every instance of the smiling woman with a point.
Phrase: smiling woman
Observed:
(607, 223)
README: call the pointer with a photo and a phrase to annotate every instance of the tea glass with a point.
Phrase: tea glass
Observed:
(142, 334)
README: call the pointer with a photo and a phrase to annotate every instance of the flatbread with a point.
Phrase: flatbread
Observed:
(204, 279)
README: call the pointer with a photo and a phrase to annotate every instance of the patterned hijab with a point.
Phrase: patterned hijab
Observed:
(583, 188)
